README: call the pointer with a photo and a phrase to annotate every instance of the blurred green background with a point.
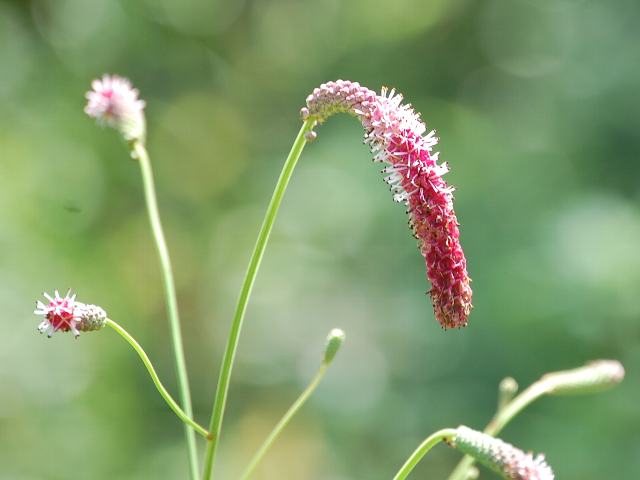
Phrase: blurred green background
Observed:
(536, 103)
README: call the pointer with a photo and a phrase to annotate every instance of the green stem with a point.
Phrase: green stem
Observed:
(284, 421)
(501, 418)
(156, 380)
(245, 292)
(421, 451)
(140, 153)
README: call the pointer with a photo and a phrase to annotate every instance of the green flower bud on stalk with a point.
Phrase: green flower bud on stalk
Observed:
(506, 391)
(593, 377)
(335, 340)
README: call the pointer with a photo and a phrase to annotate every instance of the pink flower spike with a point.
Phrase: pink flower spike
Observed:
(114, 102)
(396, 136)
(66, 314)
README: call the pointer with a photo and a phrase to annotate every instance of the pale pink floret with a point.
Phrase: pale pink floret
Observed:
(396, 136)
(114, 102)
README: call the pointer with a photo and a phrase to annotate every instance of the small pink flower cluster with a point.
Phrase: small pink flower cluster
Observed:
(66, 314)
(395, 135)
(114, 102)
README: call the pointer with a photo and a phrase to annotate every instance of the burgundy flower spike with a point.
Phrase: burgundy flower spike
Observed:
(396, 136)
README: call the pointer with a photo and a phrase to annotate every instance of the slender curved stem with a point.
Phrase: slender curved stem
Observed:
(514, 407)
(293, 409)
(140, 154)
(501, 418)
(156, 380)
(245, 292)
(421, 451)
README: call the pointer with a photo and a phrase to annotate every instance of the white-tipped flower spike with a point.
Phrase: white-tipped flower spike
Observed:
(68, 315)
(398, 138)
(593, 377)
(114, 102)
(503, 458)
(335, 339)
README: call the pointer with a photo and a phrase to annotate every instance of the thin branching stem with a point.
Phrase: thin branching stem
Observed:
(188, 421)
(293, 409)
(141, 155)
(421, 451)
(245, 292)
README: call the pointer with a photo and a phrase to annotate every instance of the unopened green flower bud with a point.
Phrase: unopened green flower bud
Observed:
(593, 377)
(506, 391)
(501, 457)
(334, 341)
(92, 317)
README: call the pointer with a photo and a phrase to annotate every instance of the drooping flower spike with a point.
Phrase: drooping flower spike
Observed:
(114, 102)
(396, 137)
(67, 315)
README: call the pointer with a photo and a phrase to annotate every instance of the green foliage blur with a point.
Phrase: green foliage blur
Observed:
(536, 103)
